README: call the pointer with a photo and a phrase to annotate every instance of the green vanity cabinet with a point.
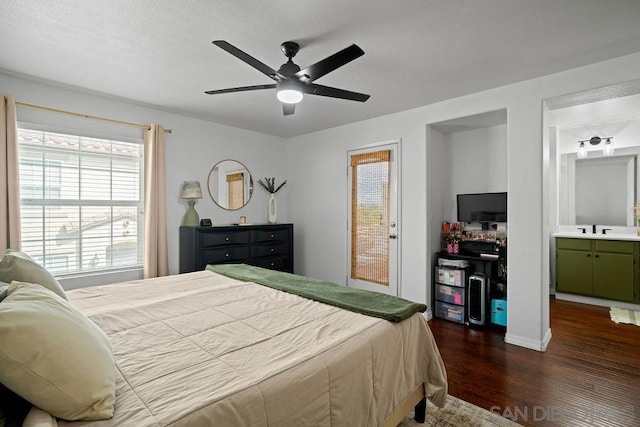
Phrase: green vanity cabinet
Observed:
(574, 272)
(598, 268)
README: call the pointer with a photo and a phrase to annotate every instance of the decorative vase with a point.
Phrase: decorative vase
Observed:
(272, 209)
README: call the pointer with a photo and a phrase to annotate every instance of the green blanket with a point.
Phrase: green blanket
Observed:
(369, 303)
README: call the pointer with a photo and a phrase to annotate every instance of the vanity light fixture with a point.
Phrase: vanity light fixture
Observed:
(595, 140)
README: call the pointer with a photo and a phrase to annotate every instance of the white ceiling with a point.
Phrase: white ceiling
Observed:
(159, 52)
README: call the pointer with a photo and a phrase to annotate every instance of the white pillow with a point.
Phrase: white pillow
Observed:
(54, 356)
(39, 418)
(16, 265)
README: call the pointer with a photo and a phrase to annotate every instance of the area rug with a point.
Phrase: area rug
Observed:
(458, 413)
(622, 315)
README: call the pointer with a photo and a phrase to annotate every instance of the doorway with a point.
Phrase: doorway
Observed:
(373, 229)
(573, 180)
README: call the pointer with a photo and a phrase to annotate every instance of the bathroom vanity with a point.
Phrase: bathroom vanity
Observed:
(598, 265)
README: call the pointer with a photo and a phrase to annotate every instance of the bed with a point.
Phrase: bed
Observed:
(204, 348)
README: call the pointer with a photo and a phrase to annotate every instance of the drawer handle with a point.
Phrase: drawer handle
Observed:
(272, 249)
(272, 264)
(226, 239)
(272, 236)
(226, 254)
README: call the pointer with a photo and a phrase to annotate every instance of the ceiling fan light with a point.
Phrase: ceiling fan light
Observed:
(289, 96)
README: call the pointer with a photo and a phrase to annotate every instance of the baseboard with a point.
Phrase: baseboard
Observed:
(538, 345)
(597, 301)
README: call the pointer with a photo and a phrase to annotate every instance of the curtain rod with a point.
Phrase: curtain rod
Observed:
(86, 116)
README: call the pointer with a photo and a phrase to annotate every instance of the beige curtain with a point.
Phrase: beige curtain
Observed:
(156, 262)
(9, 177)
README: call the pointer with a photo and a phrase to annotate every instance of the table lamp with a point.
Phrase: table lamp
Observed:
(191, 191)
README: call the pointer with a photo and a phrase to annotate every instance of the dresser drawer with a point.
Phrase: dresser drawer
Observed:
(452, 312)
(258, 251)
(221, 255)
(449, 294)
(281, 263)
(271, 235)
(224, 238)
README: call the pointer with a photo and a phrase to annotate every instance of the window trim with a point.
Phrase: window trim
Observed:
(135, 269)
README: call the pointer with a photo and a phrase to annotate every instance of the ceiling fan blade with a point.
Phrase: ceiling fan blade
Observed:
(333, 92)
(288, 109)
(263, 68)
(329, 64)
(240, 89)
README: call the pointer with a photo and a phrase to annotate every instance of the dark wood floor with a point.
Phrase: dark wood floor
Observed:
(589, 375)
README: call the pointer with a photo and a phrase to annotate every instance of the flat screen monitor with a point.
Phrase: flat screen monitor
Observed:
(482, 207)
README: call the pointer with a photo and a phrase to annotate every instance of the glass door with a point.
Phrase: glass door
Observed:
(373, 225)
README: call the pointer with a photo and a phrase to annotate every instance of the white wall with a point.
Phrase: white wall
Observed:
(439, 161)
(478, 163)
(321, 182)
(191, 151)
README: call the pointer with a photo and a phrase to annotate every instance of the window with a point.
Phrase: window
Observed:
(370, 216)
(81, 201)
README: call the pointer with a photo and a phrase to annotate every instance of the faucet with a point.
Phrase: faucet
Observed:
(604, 230)
(593, 229)
(584, 230)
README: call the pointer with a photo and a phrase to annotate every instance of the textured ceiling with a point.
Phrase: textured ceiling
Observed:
(417, 52)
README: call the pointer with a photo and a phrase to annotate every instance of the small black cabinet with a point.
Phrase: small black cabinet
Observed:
(269, 246)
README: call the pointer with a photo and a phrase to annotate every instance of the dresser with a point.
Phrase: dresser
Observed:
(269, 246)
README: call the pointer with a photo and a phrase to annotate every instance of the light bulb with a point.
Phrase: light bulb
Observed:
(582, 151)
(289, 96)
(608, 148)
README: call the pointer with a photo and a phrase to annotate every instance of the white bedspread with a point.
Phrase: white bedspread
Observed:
(202, 349)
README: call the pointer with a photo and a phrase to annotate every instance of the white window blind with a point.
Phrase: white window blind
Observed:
(81, 201)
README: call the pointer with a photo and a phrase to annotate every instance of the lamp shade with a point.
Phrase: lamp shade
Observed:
(191, 190)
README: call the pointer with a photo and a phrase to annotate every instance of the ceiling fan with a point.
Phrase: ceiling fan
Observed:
(291, 81)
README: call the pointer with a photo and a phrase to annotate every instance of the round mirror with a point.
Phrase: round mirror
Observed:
(230, 184)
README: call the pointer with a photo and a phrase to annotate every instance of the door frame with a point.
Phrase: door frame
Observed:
(398, 162)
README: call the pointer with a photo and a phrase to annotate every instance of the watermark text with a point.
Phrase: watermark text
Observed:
(588, 413)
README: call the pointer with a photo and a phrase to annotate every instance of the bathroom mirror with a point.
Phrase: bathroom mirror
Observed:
(230, 184)
(599, 190)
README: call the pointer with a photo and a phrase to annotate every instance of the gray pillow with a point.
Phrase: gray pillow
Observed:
(55, 357)
(16, 265)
